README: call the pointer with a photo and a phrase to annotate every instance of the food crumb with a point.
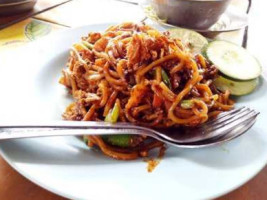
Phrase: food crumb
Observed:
(152, 164)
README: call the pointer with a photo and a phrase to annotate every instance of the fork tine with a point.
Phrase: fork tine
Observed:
(212, 142)
(211, 130)
(226, 117)
(229, 118)
(233, 134)
(233, 127)
(225, 114)
(226, 127)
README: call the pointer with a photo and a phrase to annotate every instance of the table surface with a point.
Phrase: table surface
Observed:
(15, 186)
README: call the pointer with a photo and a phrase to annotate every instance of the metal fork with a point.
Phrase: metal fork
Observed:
(225, 127)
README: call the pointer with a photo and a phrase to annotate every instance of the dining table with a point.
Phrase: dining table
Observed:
(50, 17)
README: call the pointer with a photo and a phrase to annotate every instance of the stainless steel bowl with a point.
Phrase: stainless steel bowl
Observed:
(13, 7)
(196, 14)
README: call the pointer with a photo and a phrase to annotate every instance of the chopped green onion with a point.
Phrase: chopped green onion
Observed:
(87, 44)
(79, 46)
(166, 79)
(187, 104)
(113, 114)
(83, 46)
(85, 139)
(117, 140)
(215, 97)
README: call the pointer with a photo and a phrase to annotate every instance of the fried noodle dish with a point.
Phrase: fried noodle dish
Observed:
(134, 73)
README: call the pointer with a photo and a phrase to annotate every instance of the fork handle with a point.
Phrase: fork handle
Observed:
(67, 128)
(15, 133)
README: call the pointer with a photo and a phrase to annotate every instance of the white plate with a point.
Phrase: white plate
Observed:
(64, 165)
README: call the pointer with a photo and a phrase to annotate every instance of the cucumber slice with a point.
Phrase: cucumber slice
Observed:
(237, 88)
(191, 39)
(233, 61)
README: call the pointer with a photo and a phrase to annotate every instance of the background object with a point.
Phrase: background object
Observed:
(194, 14)
(41, 6)
(15, 7)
